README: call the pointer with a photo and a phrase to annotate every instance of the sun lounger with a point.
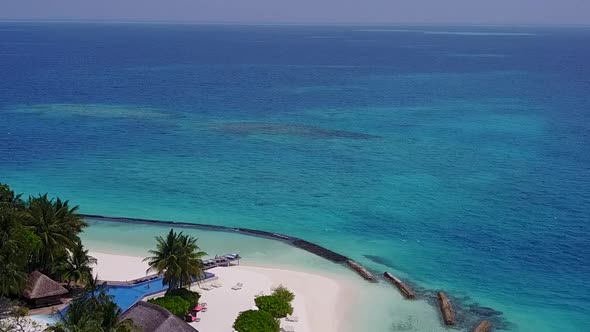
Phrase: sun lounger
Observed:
(238, 286)
(288, 328)
(292, 318)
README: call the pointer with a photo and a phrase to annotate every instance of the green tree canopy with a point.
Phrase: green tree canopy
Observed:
(175, 304)
(9, 198)
(275, 306)
(256, 321)
(188, 295)
(57, 225)
(283, 293)
(18, 244)
(36, 235)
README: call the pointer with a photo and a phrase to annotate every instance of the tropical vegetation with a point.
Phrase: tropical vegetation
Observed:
(270, 309)
(39, 234)
(77, 266)
(256, 321)
(283, 293)
(178, 257)
(191, 297)
(178, 301)
(175, 304)
(276, 306)
(57, 225)
(42, 234)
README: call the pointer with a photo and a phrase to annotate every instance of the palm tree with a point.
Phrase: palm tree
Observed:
(179, 258)
(9, 198)
(56, 224)
(12, 278)
(17, 245)
(111, 319)
(94, 289)
(86, 323)
(68, 215)
(77, 268)
(106, 318)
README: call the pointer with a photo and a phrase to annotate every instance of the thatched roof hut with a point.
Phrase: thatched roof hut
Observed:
(41, 291)
(153, 318)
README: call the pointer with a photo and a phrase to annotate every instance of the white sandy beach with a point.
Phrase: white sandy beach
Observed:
(320, 301)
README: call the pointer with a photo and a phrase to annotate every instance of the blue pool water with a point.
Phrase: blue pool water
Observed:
(457, 158)
(126, 296)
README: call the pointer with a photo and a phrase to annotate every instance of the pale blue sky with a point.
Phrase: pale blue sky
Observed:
(306, 11)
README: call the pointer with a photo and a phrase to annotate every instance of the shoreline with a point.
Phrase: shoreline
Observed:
(388, 307)
(321, 301)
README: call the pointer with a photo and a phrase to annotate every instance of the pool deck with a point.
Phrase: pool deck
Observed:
(52, 309)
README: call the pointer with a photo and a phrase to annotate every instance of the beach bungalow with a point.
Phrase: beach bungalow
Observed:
(41, 291)
(153, 318)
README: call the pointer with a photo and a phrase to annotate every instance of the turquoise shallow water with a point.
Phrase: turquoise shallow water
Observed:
(374, 307)
(458, 160)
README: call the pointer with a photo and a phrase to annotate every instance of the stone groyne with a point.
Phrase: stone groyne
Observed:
(363, 272)
(484, 326)
(404, 289)
(446, 309)
(444, 303)
(296, 242)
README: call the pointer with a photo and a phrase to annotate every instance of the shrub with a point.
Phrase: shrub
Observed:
(283, 293)
(256, 321)
(22, 311)
(175, 304)
(191, 297)
(275, 306)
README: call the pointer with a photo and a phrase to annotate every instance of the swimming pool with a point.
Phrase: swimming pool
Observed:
(127, 295)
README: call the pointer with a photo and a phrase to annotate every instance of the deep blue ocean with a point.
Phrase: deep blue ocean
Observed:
(457, 157)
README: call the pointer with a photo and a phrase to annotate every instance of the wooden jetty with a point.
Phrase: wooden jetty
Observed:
(406, 291)
(225, 260)
(361, 270)
(483, 326)
(446, 309)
